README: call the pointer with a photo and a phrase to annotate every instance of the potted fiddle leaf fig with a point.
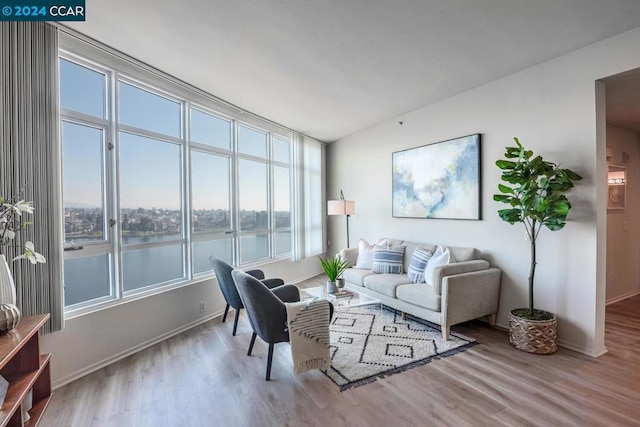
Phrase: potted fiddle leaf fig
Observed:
(333, 268)
(535, 191)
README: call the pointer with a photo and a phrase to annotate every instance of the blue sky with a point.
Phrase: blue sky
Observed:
(150, 168)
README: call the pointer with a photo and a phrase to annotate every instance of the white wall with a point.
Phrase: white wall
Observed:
(94, 340)
(623, 226)
(552, 109)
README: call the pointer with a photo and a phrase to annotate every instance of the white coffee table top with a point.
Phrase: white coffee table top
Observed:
(355, 300)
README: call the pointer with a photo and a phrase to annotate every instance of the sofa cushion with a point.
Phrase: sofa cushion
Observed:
(386, 284)
(464, 254)
(365, 253)
(417, 265)
(419, 295)
(389, 242)
(388, 260)
(350, 255)
(440, 257)
(356, 275)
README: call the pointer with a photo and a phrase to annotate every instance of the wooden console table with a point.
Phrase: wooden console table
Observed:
(22, 365)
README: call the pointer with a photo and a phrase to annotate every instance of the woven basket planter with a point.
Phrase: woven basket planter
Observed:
(533, 336)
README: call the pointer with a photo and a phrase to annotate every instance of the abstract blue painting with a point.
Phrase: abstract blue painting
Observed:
(440, 180)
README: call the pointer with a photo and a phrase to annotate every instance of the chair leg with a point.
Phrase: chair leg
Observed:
(253, 341)
(269, 359)
(235, 321)
(226, 310)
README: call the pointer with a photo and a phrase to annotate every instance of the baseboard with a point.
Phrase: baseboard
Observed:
(579, 349)
(502, 327)
(302, 279)
(623, 297)
(99, 365)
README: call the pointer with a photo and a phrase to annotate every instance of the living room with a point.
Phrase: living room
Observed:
(544, 82)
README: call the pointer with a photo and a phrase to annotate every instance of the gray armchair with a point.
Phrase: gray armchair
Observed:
(266, 310)
(228, 287)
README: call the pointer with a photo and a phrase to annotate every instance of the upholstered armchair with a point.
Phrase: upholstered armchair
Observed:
(266, 310)
(228, 287)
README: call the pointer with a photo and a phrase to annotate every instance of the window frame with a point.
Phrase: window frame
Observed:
(117, 68)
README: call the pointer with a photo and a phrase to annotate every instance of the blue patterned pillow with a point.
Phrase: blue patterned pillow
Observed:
(417, 265)
(388, 260)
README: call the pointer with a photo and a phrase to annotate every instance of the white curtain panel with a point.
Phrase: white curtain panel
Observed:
(308, 197)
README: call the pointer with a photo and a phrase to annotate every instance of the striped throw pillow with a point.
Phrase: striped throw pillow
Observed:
(417, 265)
(388, 260)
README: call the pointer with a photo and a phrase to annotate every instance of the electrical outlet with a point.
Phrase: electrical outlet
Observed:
(202, 306)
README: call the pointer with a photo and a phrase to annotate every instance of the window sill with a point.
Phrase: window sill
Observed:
(79, 312)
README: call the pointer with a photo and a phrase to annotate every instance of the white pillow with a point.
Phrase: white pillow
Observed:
(365, 253)
(440, 257)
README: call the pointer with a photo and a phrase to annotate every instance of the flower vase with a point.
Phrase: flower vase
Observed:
(7, 287)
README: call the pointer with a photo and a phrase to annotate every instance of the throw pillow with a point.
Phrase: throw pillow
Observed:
(388, 260)
(365, 253)
(418, 264)
(439, 258)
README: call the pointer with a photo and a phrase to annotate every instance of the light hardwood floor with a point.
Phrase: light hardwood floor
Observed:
(203, 378)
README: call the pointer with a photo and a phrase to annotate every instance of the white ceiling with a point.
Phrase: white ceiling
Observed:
(329, 68)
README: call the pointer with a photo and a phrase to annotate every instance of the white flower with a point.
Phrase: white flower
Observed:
(30, 254)
(23, 206)
(11, 223)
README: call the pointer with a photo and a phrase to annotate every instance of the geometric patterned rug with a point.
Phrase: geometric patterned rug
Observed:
(368, 343)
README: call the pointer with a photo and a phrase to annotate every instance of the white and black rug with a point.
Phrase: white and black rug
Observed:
(368, 343)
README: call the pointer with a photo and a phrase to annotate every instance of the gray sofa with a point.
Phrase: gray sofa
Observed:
(465, 290)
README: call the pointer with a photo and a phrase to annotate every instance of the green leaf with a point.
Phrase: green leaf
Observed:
(333, 267)
(505, 164)
(554, 225)
(510, 215)
(505, 189)
(572, 175)
(544, 204)
(562, 208)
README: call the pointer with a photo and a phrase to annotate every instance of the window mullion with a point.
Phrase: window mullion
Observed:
(235, 210)
(117, 278)
(270, 197)
(186, 192)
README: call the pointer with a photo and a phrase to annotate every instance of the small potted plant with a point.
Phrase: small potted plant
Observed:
(333, 268)
(534, 190)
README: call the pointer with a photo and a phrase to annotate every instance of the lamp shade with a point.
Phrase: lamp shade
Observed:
(341, 207)
(349, 207)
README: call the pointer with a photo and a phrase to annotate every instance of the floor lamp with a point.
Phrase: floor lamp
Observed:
(342, 207)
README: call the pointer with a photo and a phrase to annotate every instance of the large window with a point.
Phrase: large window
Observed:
(211, 189)
(158, 178)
